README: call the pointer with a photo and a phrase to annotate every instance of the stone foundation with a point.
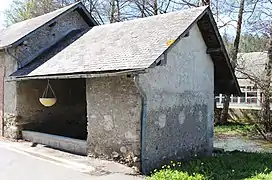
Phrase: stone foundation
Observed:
(11, 129)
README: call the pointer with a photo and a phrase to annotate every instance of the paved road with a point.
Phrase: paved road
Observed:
(16, 165)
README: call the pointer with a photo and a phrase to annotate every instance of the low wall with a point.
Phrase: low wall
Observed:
(59, 142)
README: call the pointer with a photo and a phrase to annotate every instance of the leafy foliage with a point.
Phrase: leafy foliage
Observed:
(253, 43)
(234, 165)
(248, 43)
(21, 10)
(175, 175)
(234, 129)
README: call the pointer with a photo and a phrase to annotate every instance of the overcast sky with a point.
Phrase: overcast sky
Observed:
(3, 5)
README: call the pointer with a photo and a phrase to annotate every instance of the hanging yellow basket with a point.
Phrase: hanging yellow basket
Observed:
(48, 102)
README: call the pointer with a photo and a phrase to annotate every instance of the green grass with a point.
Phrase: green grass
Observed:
(233, 130)
(228, 166)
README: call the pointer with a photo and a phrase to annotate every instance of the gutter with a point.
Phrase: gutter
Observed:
(143, 123)
(76, 75)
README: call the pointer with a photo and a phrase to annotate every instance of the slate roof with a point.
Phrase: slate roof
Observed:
(135, 45)
(127, 45)
(17, 31)
(252, 63)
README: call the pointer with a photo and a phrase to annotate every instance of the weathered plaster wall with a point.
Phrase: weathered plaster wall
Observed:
(66, 118)
(47, 36)
(179, 99)
(113, 111)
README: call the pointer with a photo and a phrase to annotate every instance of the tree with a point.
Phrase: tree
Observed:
(253, 43)
(204, 2)
(262, 24)
(233, 54)
(20, 10)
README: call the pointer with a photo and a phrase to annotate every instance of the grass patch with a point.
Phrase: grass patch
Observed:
(234, 130)
(228, 166)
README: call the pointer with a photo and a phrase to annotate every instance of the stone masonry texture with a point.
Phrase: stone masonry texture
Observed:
(47, 36)
(114, 110)
(10, 115)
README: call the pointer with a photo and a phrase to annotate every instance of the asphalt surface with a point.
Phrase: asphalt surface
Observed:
(16, 165)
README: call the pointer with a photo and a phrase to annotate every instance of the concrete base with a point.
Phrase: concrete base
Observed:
(59, 142)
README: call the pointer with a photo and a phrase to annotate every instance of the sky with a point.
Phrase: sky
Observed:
(3, 5)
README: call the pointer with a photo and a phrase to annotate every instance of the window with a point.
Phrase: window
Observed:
(252, 97)
(242, 98)
(251, 100)
(234, 99)
(252, 94)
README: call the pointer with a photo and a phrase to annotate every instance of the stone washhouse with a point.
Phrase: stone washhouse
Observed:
(141, 90)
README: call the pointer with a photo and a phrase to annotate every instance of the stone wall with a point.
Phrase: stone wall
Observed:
(66, 118)
(179, 105)
(114, 116)
(47, 36)
(10, 89)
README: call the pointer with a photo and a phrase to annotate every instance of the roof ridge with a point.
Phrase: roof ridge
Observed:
(156, 16)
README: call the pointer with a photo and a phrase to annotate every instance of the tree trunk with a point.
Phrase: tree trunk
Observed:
(112, 14)
(143, 9)
(204, 2)
(223, 118)
(155, 7)
(224, 114)
(118, 18)
(266, 114)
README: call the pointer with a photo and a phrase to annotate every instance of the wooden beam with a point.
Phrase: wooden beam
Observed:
(213, 50)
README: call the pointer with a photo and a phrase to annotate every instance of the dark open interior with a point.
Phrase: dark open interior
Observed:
(66, 118)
